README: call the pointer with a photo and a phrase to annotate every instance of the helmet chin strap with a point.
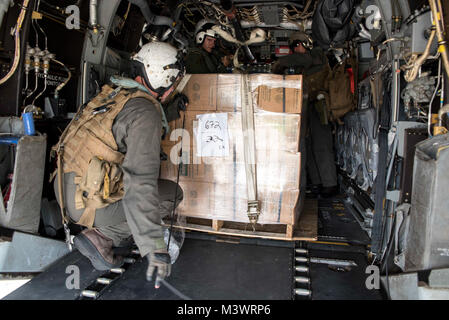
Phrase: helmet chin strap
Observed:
(142, 81)
(161, 96)
(167, 93)
(172, 88)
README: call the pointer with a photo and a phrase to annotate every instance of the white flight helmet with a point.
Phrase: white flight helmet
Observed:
(203, 29)
(161, 65)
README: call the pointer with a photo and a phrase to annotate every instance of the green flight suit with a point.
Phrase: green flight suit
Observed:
(313, 65)
(137, 132)
(320, 154)
(199, 60)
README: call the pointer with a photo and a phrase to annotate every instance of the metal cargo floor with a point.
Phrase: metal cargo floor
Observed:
(204, 270)
(211, 268)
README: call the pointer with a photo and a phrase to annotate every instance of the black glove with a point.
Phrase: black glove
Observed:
(182, 101)
(178, 103)
(160, 262)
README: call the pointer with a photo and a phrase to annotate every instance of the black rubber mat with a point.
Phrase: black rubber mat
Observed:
(51, 284)
(211, 270)
(333, 284)
(336, 223)
(204, 270)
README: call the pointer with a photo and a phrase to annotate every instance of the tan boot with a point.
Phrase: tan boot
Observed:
(98, 249)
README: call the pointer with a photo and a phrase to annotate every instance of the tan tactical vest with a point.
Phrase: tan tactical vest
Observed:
(88, 148)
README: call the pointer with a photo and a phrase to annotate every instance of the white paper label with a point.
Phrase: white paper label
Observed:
(212, 138)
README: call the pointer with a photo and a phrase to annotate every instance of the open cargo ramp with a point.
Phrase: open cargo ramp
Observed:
(217, 270)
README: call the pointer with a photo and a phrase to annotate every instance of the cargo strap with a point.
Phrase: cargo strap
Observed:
(249, 147)
(182, 84)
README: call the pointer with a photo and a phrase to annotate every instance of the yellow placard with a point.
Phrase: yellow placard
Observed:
(434, 119)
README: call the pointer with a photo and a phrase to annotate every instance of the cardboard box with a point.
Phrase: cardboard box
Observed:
(229, 93)
(278, 93)
(201, 91)
(229, 203)
(274, 131)
(215, 187)
(281, 175)
(222, 92)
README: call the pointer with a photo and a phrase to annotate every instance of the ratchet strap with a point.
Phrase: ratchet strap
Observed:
(249, 147)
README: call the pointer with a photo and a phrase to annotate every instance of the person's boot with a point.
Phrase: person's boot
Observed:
(125, 248)
(314, 190)
(98, 249)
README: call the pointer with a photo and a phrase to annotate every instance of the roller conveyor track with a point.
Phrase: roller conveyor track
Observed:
(334, 266)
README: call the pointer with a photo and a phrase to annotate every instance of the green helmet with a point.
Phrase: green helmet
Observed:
(300, 37)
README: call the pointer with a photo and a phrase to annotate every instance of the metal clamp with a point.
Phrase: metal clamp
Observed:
(253, 211)
(113, 94)
(99, 110)
(68, 238)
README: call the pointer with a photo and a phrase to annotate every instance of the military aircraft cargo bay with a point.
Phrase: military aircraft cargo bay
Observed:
(224, 150)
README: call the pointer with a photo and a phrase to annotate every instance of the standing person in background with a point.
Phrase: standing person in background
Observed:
(312, 63)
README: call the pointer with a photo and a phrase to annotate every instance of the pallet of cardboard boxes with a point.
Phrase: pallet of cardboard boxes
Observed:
(214, 180)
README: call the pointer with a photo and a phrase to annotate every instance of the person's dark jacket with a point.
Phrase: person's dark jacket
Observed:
(199, 60)
(302, 63)
(312, 64)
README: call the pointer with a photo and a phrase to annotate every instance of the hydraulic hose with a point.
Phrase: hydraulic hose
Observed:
(17, 42)
(437, 13)
(69, 76)
(36, 81)
(429, 118)
(42, 92)
(40, 28)
(149, 16)
(412, 73)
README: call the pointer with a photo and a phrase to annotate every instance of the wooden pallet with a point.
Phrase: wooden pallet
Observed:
(305, 230)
